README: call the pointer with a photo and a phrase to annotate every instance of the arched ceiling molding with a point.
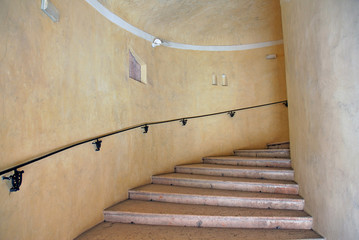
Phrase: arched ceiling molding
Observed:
(142, 34)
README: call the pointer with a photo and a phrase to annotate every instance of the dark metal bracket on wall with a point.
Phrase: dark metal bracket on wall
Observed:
(16, 178)
(97, 144)
(183, 121)
(145, 128)
(231, 113)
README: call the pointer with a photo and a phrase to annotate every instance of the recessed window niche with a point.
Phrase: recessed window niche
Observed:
(137, 67)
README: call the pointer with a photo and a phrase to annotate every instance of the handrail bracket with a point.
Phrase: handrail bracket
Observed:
(97, 144)
(183, 121)
(145, 128)
(231, 113)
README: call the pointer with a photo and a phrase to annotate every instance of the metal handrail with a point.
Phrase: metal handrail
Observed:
(16, 178)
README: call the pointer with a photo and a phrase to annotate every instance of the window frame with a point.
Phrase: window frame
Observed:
(141, 63)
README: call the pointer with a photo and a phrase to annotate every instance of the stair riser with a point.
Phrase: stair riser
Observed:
(220, 201)
(211, 221)
(263, 154)
(253, 163)
(243, 173)
(267, 188)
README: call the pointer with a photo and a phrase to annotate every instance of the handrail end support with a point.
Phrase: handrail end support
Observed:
(16, 180)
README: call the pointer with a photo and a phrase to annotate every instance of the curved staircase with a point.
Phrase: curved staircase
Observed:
(250, 195)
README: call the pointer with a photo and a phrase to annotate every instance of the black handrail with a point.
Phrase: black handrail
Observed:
(17, 176)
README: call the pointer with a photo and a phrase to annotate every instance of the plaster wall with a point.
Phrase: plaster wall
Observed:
(322, 59)
(68, 81)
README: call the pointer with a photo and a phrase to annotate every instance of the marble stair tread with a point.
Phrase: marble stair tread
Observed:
(263, 150)
(194, 209)
(160, 213)
(278, 145)
(122, 231)
(249, 161)
(228, 183)
(216, 197)
(278, 153)
(237, 171)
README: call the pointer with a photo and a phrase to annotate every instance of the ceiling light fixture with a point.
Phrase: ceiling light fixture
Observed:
(157, 42)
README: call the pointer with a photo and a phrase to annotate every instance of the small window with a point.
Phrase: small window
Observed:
(137, 68)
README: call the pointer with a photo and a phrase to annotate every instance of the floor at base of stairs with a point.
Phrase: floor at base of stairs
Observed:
(119, 231)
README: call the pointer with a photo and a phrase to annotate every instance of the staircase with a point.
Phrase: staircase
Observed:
(250, 195)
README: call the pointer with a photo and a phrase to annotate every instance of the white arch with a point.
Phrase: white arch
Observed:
(142, 34)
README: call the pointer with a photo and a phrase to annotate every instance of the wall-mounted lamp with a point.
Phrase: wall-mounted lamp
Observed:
(224, 80)
(157, 42)
(50, 10)
(271, 56)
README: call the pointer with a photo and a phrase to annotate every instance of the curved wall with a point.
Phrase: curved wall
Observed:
(67, 81)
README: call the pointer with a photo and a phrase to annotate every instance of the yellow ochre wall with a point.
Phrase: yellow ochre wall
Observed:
(68, 81)
(322, 68)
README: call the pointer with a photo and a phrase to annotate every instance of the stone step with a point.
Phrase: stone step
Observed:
(216, 197)
(172, 214)
(122, 231)
(249, 161)
(274, 153)
(278, 145)
(227, 183)
(237, 171)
